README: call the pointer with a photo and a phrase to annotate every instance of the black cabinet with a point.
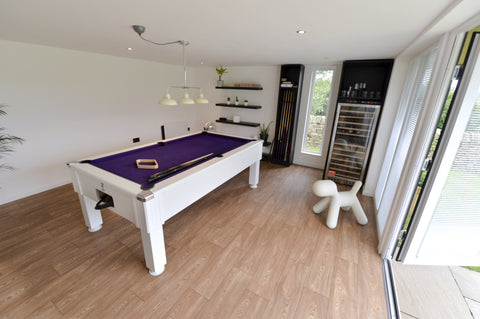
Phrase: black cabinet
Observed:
(291, 79)
(362, 91)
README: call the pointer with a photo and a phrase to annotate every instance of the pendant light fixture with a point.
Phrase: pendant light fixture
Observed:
(167, 99)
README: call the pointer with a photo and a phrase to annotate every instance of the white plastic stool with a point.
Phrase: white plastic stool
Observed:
(337, 200)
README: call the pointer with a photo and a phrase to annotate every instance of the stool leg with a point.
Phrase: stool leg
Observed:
(333, 212)
(321, 205)
(359, 213)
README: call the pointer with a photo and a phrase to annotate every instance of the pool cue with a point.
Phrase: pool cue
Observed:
(179, 167)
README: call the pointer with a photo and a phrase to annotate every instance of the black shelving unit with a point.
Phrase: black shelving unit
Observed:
(251, 124)
(239, 106)
(356, 119)
(239, 88)
(287, 113)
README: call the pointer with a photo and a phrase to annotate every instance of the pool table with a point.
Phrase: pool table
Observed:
(148, 205)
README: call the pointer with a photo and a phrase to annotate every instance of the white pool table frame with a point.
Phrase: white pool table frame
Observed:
(149, 209)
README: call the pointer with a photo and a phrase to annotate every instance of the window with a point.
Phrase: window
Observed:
(317, 111)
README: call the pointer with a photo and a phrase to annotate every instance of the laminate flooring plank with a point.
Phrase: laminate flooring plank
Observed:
(312, 305)
(348, 238)
(207, 284)
(122, 307)
(343, 297)
(162, 292)
(228, 295)
(249, 306)
(370, 290)
(273, 262)
(306, 240)
(47, 311)
(245, 238)
(321, 270)
(283, 303)
(188, 306)
(235, 253)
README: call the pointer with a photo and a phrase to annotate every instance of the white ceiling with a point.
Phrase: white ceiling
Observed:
(224, 32)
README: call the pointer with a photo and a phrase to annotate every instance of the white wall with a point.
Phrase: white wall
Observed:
(268, 77)
(385, 124)
(69, 104)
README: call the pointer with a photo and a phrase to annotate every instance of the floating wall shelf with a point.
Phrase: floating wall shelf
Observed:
(239, 123)
(240, 106)
(238, 88)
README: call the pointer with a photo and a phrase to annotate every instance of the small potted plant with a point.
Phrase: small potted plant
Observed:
(245, 102)
(220, 71)
(264, 130)
(228, 100)
(237, 100)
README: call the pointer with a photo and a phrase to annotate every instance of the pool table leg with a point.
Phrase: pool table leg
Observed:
(154, 251)
(254, 174)
(92, 216)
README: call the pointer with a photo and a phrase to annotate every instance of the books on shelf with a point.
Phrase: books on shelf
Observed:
(247, 85)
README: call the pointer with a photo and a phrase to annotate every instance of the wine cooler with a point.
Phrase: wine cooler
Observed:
(352, 137)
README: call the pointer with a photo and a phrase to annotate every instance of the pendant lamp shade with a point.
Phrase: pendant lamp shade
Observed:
(186, 99)
(167, 100)
(201, 99)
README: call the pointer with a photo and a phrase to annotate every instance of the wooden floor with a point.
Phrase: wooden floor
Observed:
(236, 253)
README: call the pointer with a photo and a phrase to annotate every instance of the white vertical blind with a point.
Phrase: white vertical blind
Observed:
(413, 98)
(455, 225)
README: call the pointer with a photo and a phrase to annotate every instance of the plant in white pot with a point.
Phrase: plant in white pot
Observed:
(220, 71)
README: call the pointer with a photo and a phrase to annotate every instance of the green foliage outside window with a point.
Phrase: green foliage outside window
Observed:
(321, 92)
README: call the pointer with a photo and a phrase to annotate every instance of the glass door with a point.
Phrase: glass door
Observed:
(314, 119)
(447, 232)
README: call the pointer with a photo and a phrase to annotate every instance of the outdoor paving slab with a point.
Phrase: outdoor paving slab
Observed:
(474, 308)
(468, 281)
(429, 292)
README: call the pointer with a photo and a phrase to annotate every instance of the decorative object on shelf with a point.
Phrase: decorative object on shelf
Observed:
(5, 141)
(236, 119)
(209, 127)
(264, 130)
(247, 85)
(243, 123)
(220, 71)
(237, 100)
(245, 103)
(167, 100)
(249, 106)
(228, 100)
(254, 88)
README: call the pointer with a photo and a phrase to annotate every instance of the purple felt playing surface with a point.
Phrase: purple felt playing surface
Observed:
(171, 154)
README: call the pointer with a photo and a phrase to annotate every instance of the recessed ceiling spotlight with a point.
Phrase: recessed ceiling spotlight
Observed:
(129, 49)
(301, 31)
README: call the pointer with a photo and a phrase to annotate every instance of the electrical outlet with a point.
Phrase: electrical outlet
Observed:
(136, 139)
